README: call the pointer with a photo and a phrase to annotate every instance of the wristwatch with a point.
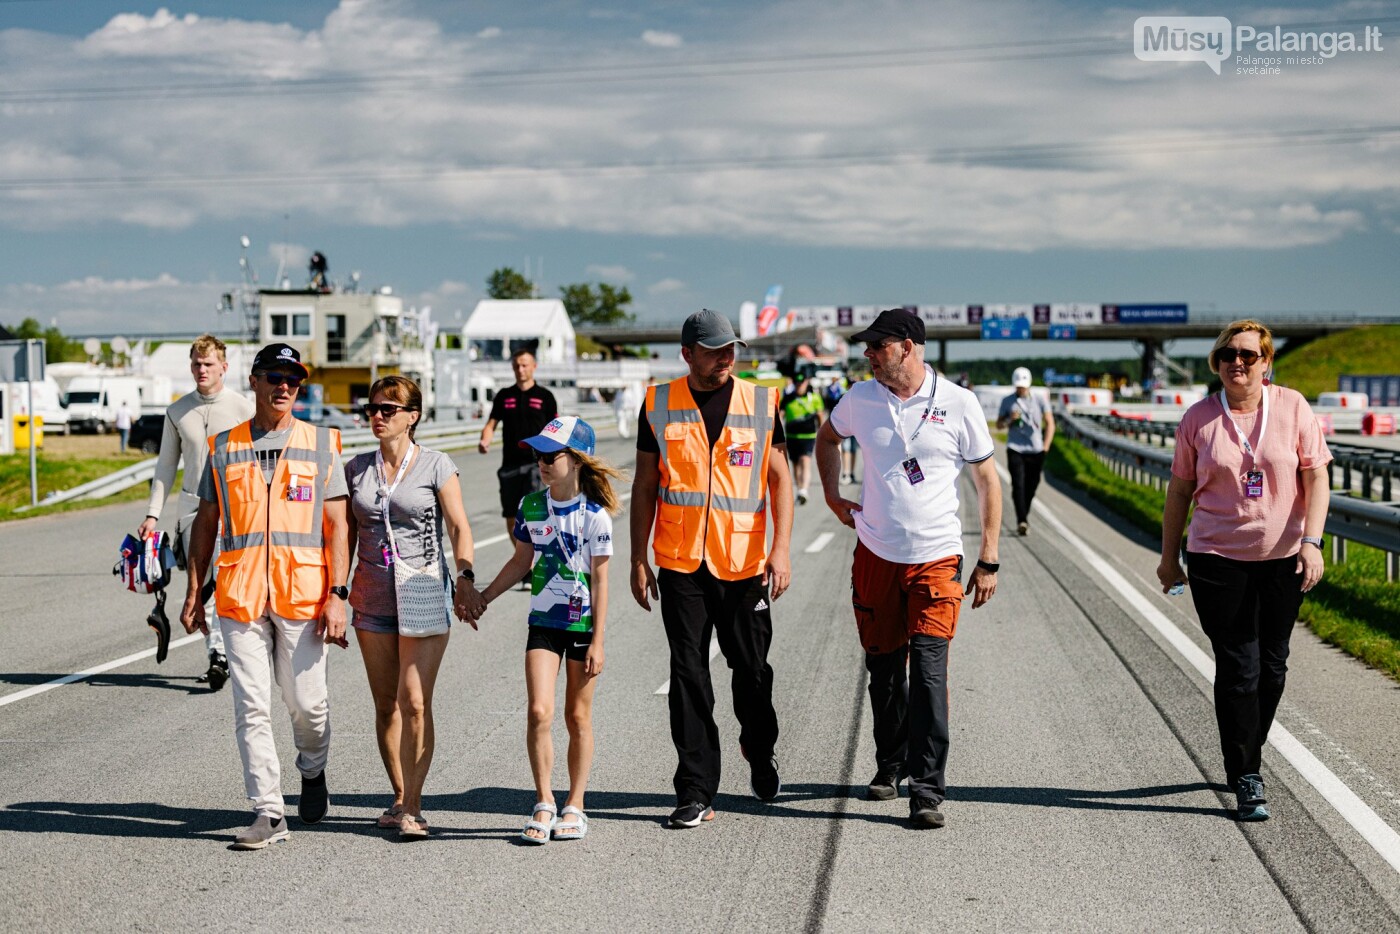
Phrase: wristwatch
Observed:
(467, 574)
(342, 592)
(1310, 540)
(988, 566)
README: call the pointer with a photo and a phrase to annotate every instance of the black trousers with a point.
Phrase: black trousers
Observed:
(1025, 477)
(911, 714)
(1247, 609)
(692, 607)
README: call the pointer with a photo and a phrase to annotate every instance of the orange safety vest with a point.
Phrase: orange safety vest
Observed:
(273, 551)
(713, 499)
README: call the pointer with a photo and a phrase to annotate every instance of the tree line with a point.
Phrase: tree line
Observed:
(587, 303)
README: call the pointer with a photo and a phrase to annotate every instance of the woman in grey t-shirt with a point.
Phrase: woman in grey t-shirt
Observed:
(418, 489)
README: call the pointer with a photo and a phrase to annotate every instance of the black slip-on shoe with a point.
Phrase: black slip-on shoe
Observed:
(217, 675)
(924, 814)
(883, 787)
(315, 799)
(764, 780)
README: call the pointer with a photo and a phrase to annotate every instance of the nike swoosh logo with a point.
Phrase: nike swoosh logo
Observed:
(582, 645)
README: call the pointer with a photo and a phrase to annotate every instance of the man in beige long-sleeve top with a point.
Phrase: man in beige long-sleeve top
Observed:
(189, 422)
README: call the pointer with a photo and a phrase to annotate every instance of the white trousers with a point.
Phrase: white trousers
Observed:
(290, 653)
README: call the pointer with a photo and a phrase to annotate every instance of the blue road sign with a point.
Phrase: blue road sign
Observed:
(1063, 332)
(1149, 314)
(1006, 329)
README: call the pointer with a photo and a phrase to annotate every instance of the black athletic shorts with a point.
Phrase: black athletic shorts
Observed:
(799, 448)
(571, 645)
(516, 484)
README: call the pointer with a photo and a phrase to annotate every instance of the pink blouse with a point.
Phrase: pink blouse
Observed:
(1209, 455)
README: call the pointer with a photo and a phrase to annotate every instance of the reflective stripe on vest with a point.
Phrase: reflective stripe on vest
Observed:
(712, 498)
(273, 547)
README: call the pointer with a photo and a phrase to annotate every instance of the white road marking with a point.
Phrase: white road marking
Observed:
(820, 542)
(89, 672)
(666, 685)
(1373, 829)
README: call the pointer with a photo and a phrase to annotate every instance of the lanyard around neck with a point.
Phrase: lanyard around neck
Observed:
(899, 418)
(1263, 424)
(386, 489)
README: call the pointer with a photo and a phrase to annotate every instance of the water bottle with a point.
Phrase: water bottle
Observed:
(1177, 589)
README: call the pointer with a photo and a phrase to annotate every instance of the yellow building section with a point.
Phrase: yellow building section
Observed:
(347, 386)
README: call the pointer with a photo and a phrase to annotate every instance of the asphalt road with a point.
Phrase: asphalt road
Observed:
(1084, 782)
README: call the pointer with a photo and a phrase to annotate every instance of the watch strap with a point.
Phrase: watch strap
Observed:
(988, 566)
(1312, 540)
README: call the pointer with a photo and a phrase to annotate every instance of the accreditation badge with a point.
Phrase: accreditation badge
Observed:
(1254, 484)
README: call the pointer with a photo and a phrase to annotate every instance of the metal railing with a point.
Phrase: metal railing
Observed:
(445, 436)
(1348, 518)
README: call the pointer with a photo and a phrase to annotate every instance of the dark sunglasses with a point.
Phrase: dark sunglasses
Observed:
(1230, 355)
(282, 379)
(388, 409)
(547, 457)
(877, 346)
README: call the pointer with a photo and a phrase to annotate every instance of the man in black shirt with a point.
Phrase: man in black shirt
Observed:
(522, 411)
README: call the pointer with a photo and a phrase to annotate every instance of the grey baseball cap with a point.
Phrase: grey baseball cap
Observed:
(710, 330)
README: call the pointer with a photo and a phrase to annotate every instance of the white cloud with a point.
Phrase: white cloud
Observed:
(611, 274)
(490, 32)
(586, 153)
(666, 287)
(97, 286)
(662, 40)
(97, 304)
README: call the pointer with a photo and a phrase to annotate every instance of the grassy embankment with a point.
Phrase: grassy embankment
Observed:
(1314, 367)
(1353, 608)
(65, 462)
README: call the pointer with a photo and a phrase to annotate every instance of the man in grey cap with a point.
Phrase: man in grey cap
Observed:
(711, 464)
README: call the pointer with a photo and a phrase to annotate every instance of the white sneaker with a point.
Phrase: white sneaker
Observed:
(802, 497)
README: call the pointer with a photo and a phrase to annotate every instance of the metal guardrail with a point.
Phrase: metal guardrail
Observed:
(1354, 467)
(353, 441)
(1348, 518)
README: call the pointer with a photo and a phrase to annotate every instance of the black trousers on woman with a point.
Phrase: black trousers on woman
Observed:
(1247, 609)
(1025, 479)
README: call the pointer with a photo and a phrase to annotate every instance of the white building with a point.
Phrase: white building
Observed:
(498, 327)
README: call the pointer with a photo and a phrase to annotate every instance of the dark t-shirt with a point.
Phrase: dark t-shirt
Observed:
(714, 406)
(521, 414)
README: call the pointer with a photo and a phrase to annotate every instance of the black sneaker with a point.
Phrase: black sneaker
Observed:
(691, 814)
(315, 799)
(883, 787)
(763, 779)
(1249, 798)
(217, 675)
(924, 813)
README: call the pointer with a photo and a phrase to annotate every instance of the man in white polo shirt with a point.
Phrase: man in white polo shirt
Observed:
(918, 432)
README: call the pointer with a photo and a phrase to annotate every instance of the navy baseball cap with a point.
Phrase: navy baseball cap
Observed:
(280, 357)
(566, 431)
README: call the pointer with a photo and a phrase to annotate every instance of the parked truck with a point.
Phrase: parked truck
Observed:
(93, 401)
(48, 404)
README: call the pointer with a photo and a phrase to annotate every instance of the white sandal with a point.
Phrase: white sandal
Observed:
(571, 830)
(543, 828)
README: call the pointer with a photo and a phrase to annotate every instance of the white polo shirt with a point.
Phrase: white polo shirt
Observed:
(904, 522)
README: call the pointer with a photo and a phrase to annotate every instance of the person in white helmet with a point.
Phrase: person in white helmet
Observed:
(1029, 426)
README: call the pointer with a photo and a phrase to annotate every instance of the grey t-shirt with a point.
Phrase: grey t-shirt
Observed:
(1024, 436)
(268, 445)
(417, 519)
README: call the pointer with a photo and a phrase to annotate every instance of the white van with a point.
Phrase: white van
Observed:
(48, 404)
(93, 401)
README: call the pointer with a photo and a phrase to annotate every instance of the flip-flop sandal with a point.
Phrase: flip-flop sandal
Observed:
(389, 820)
(571, 830)
(413, 827)
(543, 828)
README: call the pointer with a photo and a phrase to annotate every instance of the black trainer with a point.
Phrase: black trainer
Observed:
(1249, 798)
(217, 675)
(315, 799)
(884, 786)
(691, 814)
(924, 813)
(763, 779)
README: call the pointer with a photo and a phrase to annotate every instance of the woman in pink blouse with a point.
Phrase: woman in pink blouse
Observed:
(1253, 460)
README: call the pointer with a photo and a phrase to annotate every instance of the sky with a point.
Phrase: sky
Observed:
(869, 152)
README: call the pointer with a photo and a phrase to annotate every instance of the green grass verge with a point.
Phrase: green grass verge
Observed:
(1313, 367)
(1353, 608)
(60, 475)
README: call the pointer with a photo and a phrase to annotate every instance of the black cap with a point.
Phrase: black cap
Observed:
(279, 357)
(894, 322)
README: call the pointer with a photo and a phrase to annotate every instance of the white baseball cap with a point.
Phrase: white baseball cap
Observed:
(1020, 377)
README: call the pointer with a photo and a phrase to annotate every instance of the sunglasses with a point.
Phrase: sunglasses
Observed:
(282, 379)
(547, 457)
(387, 409)
(878, 346)
(1230, 355)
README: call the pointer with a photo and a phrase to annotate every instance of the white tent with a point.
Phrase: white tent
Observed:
(498, 326)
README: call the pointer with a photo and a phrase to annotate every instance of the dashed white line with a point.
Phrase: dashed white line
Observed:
(820, 542)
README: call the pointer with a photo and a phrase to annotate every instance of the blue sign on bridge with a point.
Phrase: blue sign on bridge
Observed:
(1144, 314)
(1006, 329)
(1063, 332)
